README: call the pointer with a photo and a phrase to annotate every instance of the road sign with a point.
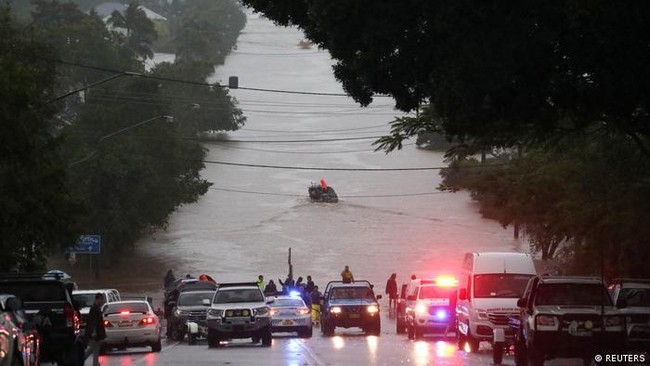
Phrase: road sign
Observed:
(87, 244)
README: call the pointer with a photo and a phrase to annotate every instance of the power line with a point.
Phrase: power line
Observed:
(322, 168)
(300, 141)
(299, 152)
(340, 196)
(160, 78)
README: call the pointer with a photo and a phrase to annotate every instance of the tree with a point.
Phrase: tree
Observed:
(140, 31)
(38, 212)
(502, 73)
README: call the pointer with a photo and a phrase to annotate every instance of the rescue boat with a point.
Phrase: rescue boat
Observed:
(322, 192)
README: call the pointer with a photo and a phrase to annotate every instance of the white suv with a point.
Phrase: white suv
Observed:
(239, 310)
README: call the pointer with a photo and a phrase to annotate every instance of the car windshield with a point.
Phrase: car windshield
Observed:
(133, 307)
(227, 296)
(500, 285)
(436, 292)
(194, 298)
(636, 296)
(289, 303)
(572, 294)
(352, 293)
(84, 300)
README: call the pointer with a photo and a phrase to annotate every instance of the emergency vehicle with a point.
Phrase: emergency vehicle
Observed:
(431, 307)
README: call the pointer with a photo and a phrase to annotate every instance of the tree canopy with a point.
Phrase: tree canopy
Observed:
(499, 72)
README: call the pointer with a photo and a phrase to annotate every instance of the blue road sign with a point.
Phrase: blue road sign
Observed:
(87, 244)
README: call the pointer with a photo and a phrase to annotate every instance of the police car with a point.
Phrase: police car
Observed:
(289, 313)
(431, 307)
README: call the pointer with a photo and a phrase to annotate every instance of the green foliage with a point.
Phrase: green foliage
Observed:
(140, 31)
(588, 198)
(206, 30)
(501, 72)
(38, 213)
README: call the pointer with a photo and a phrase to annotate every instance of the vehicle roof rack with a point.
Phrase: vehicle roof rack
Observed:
(349, 283)
(591, 278)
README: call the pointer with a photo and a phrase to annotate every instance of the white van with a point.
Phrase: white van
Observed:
(490, 285)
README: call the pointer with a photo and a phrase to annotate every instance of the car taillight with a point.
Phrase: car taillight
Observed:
(107, 324)
(147, 321)
(274, 311)
(303, 311)
(71, 319)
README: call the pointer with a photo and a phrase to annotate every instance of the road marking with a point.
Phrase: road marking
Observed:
(316, 360)
(143, 359)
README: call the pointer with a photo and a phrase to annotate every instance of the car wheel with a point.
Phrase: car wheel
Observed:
(191, 339)
(267, 337)
(461, 341)
(214, 340)
(255, 339)
(497, 353)
(474, 344)
(156, 347)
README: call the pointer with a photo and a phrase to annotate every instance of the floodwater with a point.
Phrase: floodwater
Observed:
(246, 223)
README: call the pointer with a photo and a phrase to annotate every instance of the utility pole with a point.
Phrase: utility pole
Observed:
(290, 265)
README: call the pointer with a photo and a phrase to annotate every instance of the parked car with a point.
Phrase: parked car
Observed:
(48, 305)
(633, 295)
(239, 310)
(84, 299)
(350, 305)
(491, 283)
(189, 313)
(19, 341)
(567, 317)
(431, 307)
(131, 324)
(291, 314)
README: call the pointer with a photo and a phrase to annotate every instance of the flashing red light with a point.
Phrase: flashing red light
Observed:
(447, 281)
(147, 321)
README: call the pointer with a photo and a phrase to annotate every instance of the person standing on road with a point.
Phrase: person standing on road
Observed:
(346, 275)
(391, 291)
(309, 287)
(260, 282)
(287, 285)
(169, 279)
(270, 289)
(95, 332)
(315, 305)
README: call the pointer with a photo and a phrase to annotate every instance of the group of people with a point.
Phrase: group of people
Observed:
(308, 291)
(392, 290)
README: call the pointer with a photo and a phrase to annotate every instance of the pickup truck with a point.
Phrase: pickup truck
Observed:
(566, 317)
(48, 305)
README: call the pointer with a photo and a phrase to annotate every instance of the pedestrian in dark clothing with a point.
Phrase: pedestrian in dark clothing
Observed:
(270, 289)
(299, 283)
(309, 287)
(315, 305)
(287, 285)
(391, 291)
(95, 332)
(169, 278)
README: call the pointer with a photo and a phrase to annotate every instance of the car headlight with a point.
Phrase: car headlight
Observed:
(215, 313)
(261, 311)
(178, 312)
(335, 310)
(373, 309)
(546, 320)
(421, 309)
(613, 321)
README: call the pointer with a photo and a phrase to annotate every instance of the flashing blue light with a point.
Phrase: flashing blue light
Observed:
(441, 315)
(294, 293)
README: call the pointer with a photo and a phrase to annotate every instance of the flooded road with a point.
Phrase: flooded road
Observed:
(386, 221)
